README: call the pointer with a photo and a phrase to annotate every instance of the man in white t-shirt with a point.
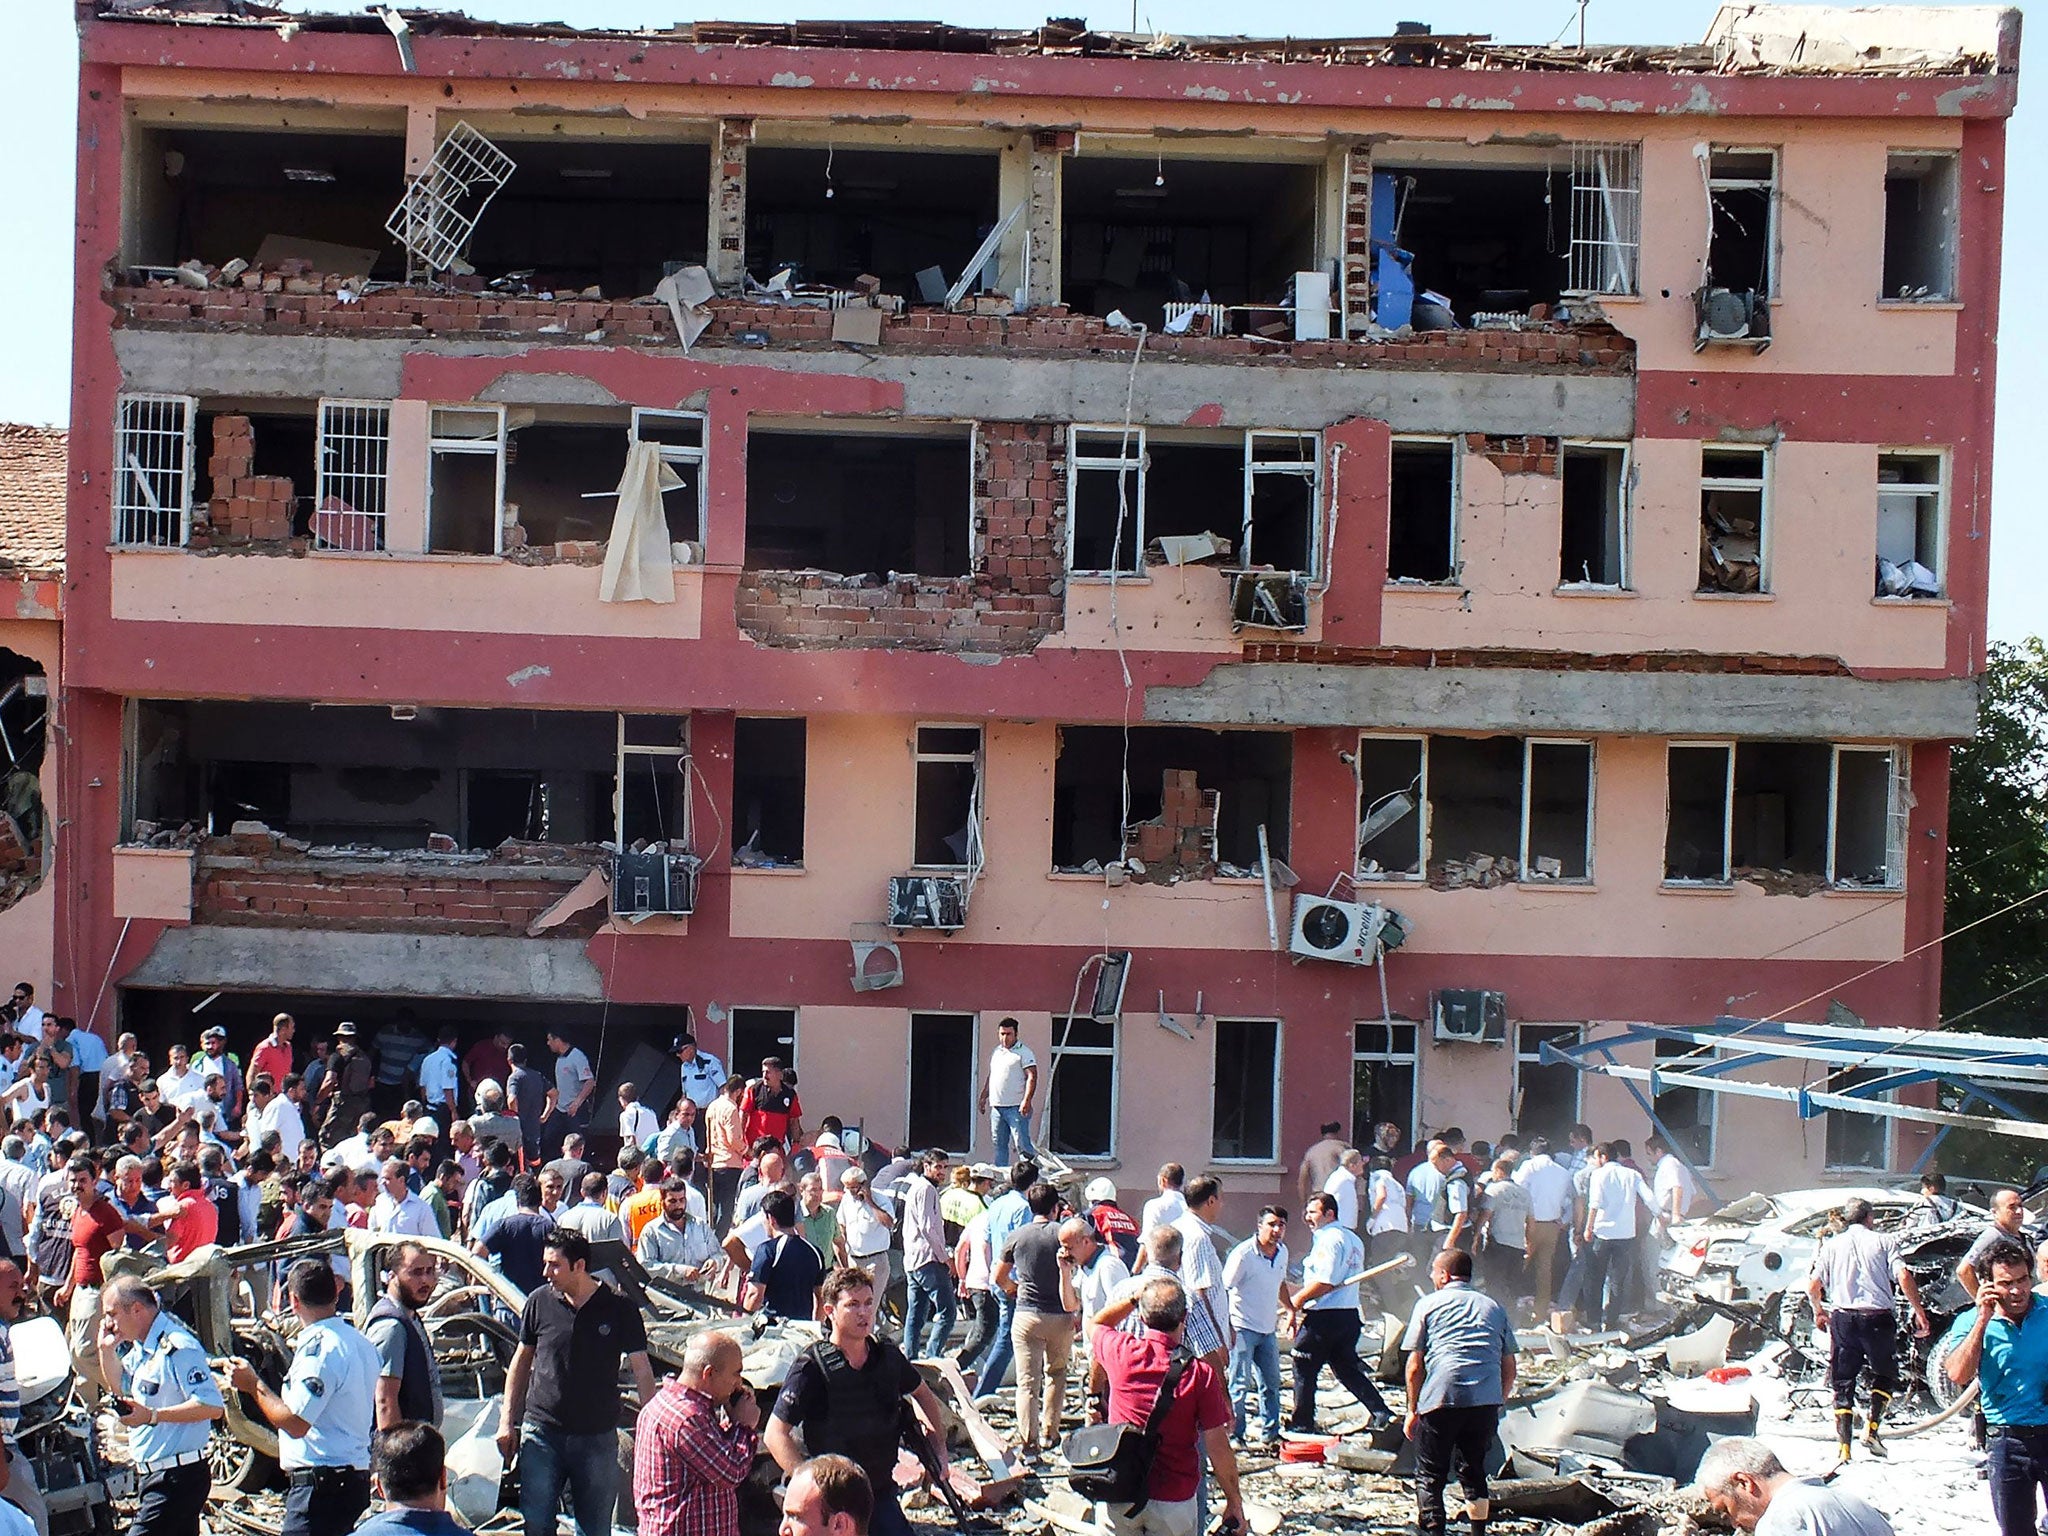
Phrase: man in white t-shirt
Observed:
(1345, 1185)
(1613, 1194)
(1551, 1193)
(1670, 1182)
(637, 1125)
(1009, 1091)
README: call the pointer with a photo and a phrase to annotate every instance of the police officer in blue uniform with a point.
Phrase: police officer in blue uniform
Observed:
(326, 1413)
(168, 1399)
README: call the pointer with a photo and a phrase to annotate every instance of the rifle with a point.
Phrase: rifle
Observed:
(910, 1433)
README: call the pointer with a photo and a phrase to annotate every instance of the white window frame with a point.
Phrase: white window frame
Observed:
(1606, 219)
(1727, 747)
(128, 470)
(1272, 1158)
(1712, 1101)
(1411, 1059)
(973, 1022)
(1626, 512)
(1529, 745)
(1133, 457)
(1534, 1058)
(1895, 814)
(1952, 285)
(1358, 815)
(978, 757)
(678, 453)
(469, 445)
(1915, 492)
(678, 754)
(1115, 1052)
(1311, 470)
(365, 424)
(1887, 1125)
(1456, 445)
(1746, 184)
(1761, 483)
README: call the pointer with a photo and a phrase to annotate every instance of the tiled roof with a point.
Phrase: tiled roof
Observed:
(32, 485)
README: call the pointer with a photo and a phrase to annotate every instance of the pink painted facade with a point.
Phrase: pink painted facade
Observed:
(190, 656)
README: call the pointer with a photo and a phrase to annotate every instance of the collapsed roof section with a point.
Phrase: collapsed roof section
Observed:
(1743, 39)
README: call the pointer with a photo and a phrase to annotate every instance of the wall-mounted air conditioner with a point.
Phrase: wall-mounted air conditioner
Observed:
(654, 884)
(1737, 317)
(927, 901)
(1344, 931)
(1470, 1016)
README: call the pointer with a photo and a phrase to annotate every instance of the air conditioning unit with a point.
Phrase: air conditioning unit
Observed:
(1344, 931)
(1737, 317)
(654, 884)
(1473, 1017)
(927, 901)
(1268, 600)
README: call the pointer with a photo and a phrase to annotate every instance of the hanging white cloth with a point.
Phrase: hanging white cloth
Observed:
(639, 565)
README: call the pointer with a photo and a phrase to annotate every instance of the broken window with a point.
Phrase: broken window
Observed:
(153, 469)
(1475, 806)
(1546, 1092)
(1742, 195)
(681, 436)
(1391, 791)
(1141, 232)
(266, 196)
(611, 213)
(758, 1033)
(1422, 510)
(1244, 1104)
(860, 503)
(1282, 470)
(1383, 1080)
(254, 466)
(1780, 817)
(1911, 504)
(942, 1063)
(1699, 801)
(1557, 811)
(1102, 771)
(1688, 1115)
(1593, 547)
(912, 218)
(1734, 519)
(1855, 1142)
(1080, 1119)
(1490, 235)
(1921, 218)
(1607, 197)
(352, 474)
(561, 479)
(768, 793)
(466, 480)
(651, 803)
(1866, 838)
(1105, 499)
(501, 803)
(947, 815)
(1255, 491)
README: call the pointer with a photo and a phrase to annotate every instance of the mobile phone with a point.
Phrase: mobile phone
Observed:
(123, 1406)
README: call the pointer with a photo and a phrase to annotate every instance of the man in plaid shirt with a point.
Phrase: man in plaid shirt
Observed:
(695, 1444)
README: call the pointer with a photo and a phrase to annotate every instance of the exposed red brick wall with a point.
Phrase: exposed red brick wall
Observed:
(296, 892)
(1516, 455)
(1548, 661)
(245, 506)
(1011, 602)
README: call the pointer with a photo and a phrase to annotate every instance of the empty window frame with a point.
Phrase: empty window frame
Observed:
(861, 502)
(1476, 806)
(1867, 818)
(1557, 810)
(1244, 1114)
(768, 765)
(1546, 1093)
(1827, 812)
(681, 436)
(1912, 523)
(946, 816)
(466, 480)
(1385, 1087)
(758, 1033)
(1742, 198)
(942, 1083)
(1250, 771)
(1922, 218)
(1393, 787)
(1282, 472)
(503, 803)
(1081, 1107)
(1105, 500)
(1735, 513)
(651, 794)
(1260, 490)
(153, 468)
(1422, 510)
(1856, 1142)
(1689, 1114)
(1607, 218)
(1699, 807)
(1593, 533)
(351, 474)
(1524, 802)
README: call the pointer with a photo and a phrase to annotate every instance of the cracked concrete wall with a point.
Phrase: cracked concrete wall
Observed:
(370, 964)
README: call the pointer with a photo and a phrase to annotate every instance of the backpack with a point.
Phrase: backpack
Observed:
(1112, 1463)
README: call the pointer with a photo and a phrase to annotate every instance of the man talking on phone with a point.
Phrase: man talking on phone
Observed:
(695, 1442)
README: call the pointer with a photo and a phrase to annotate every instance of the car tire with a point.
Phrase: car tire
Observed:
(235, 1465)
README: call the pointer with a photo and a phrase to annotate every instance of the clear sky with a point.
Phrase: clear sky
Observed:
(38, 115)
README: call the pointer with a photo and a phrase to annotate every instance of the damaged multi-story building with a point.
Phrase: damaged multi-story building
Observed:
(867, 529)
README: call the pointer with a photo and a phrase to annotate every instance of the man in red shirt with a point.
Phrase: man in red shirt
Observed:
(98, 1227)
(1124, 1378)
(488, 1058)
(695, 1443)
(193, 1221)
(273, 1054)
(772, 1108)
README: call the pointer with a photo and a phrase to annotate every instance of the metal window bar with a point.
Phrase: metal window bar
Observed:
(442, 204)
(1606, 218)
(153, 463)
(352, 475)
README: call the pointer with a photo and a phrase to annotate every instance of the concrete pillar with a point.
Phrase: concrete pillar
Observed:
(728, 234)
(1048, 150)
(1357, 247)
(405, 497)
(421, 125)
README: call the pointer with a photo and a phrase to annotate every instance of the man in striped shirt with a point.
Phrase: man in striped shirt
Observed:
(695, 1443)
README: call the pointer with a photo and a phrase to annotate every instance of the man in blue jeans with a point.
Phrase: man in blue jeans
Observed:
(1007, 1215)
(2003, 1346)
(1008, 1092)
(1255, 1280)
(562, 1393)
(927, 1260)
